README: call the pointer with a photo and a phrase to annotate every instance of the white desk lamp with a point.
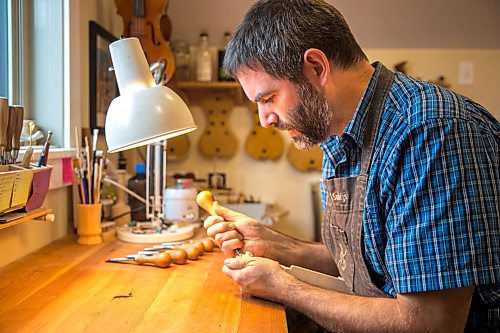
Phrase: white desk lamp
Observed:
(144, 113)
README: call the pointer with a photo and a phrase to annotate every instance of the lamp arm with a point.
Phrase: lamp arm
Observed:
(121, 187)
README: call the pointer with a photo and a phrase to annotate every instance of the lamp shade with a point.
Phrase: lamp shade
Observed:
(143, 113)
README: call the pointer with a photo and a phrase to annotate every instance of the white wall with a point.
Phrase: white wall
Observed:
(452, 31)
(433, 39)
(429, 64)
(24, 238)
(432, 49)
(450, 24)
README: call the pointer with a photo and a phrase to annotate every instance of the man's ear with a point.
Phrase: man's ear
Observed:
(316, 67)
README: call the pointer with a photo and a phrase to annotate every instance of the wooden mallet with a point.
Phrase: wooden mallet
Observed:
(205, 200)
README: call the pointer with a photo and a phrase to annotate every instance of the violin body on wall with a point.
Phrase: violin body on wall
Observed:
(147, 20)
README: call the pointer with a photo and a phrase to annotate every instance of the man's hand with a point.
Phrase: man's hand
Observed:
(257, 276)
(432, 311)
(232, 231)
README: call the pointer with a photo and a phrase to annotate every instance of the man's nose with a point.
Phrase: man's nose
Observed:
(267, 117)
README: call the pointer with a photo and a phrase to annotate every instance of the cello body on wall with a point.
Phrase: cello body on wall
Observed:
(147, 20)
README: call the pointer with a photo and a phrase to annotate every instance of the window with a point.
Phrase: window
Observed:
(43, 62)
(4, 50)
(32, 61)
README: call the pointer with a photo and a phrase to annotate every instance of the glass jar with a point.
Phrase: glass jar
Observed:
(182, 60)
(203, 60)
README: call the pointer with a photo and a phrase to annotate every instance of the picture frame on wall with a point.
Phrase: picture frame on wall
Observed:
(102, 82)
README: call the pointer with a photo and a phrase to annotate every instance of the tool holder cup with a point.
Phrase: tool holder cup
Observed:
(89, 224)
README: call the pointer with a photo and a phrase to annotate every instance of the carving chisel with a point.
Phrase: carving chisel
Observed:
(10, 131)
(205, 200)
(4, 122)
(16, 132)
(160, 260)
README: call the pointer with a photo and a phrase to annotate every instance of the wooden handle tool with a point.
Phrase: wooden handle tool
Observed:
(4, 122)
(177, 251)
(162, 260)
(205, 200)
(26, 163)
(179, 256)
(16, 132)
(10, 131)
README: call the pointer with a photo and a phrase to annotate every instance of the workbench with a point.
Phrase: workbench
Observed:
(66, 287)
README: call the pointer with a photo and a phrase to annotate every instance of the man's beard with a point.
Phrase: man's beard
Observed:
(311, 117)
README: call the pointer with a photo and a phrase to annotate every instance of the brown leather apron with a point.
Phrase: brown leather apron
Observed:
(343, 221)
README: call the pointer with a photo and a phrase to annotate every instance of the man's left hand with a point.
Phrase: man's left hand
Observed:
(257, 276)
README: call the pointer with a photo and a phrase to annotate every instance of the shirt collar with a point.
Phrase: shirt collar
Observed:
(356, 125)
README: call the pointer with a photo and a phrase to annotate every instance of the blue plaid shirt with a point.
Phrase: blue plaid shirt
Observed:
(432, 210)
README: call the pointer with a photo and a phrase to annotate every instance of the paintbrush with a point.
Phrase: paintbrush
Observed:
(29, 151)
(45, 152)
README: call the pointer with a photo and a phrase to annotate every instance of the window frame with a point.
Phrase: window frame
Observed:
(15, 54)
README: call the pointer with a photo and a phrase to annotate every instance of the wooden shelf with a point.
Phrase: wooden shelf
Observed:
(195, 89)
(208, 85)
(43, 214)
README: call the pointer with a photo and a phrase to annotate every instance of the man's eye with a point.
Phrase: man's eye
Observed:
(267, 100)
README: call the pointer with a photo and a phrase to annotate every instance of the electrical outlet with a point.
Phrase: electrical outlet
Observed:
(466, 73)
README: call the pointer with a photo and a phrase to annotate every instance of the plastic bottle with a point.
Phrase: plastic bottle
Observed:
(203, 60)
(180, 202)
(137, 184)
(223, 75)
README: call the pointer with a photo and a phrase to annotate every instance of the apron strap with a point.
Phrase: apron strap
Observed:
(384, 80)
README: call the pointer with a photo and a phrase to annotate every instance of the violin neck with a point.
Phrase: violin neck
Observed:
(139, 10)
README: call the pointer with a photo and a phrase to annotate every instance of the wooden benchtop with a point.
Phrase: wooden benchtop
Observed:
(66, 287)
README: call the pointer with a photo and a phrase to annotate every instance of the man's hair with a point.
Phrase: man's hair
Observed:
(276, 33)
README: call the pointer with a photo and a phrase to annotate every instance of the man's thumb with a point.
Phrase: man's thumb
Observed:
(224, 212)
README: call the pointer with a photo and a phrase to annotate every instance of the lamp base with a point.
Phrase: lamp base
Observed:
(178, 234)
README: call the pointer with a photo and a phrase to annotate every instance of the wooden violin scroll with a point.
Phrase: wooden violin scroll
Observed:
(144, 19)
(263, 143)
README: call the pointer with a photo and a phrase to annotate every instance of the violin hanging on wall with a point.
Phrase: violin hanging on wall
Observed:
(147, 20)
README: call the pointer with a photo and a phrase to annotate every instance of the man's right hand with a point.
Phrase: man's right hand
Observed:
(235, 231)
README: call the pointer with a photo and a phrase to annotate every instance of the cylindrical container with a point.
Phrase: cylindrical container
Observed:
(182, 60)
(89, 224)
(137, 184)
(217, 180)
(179, 204)
(223, 75)
(203, 60)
